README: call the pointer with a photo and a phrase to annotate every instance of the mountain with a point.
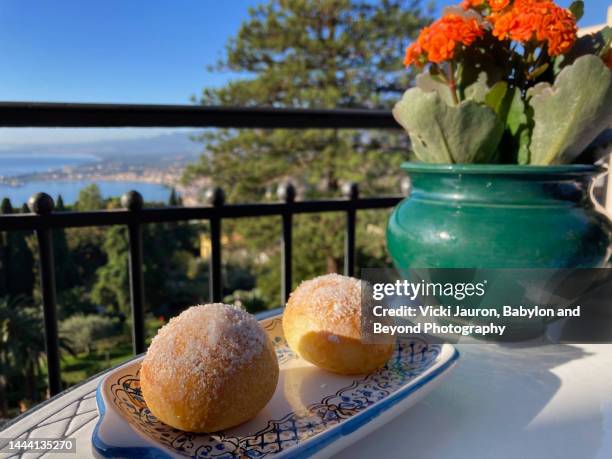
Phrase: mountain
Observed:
(176, 144)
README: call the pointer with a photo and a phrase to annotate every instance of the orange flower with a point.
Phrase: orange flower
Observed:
(495, 5)
(539, 20)
(413, 55)
(438, 42)
(498, 5)
(467, 4)
(440, 47)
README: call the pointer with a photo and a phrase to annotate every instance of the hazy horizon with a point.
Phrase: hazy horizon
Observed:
(103, 142)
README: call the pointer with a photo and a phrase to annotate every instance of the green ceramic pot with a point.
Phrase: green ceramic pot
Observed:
(498, 216)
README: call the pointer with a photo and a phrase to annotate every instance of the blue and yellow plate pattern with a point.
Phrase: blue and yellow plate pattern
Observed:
(312, 413)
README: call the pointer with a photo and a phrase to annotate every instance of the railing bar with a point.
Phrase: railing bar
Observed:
(286, 257)
(42, 114)
(153, 215)
(286, 193)
(43, 220)
(349, 244)
(47, 287)
(133, 202)
(42, 205)
(216, 198)
(215, 260)
(136, 288)
(351, 192)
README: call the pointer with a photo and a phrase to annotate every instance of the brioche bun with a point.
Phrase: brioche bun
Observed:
(210, 368)
(322, 324)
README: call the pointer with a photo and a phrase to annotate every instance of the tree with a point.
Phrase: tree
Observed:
(172, 278)
(169, 257)
(16, 261)
(22, 351)
(174, 199)
(59, 204)
(111, 288)
(90, 198)
(311, 54)
(66, 274)
(6, 207)
(4, 253)
(85, 330)
(85, 245)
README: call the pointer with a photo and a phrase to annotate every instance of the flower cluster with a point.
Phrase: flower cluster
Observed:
(498, 79)
(472, 4)
(498, 5)
(438, 42)
(536, 20)
(494, 5)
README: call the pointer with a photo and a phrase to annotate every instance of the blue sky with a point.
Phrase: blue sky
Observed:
(130, 51)
(114, 50)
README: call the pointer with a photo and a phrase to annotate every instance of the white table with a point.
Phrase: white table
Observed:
(553, 401)
(510, 401)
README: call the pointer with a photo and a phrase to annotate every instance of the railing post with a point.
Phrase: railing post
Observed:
(216, 198)
(132, 201)
(42, 204)
(350, 190)
(286, 193)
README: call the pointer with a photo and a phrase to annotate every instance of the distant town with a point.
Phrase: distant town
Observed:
(159, 160)
(162, 173)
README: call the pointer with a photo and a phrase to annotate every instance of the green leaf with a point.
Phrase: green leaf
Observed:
(429, 83)
(570, 114)
(577, 9)
(523, 138)
(516, 116)
(606, 38)
(477, 90)
(508, 103)
(518, 128)
(495, 97)
(465, 133)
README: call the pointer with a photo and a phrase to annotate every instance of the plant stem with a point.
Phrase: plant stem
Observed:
(452, 84)
(538, 62)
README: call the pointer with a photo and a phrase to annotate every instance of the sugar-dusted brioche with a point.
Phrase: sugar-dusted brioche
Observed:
(322, 323)
(210, 368)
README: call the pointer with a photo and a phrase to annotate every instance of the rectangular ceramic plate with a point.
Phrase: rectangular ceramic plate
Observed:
(312, 412)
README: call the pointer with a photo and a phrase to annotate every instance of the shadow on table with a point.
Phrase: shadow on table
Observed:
(489, 408)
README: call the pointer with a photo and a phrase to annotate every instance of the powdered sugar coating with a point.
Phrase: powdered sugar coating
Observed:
(207, 343)
(332, 301)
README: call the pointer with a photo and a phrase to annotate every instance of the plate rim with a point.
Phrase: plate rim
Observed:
(306, 449)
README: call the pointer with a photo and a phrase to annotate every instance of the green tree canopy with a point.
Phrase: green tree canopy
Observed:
(90, 198)
(174, 199)
(16, 262)
(111, 288)
(6, 207)
(310, 54)
(59, 204)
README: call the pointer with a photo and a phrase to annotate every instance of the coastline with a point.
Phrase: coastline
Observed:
(168, 177)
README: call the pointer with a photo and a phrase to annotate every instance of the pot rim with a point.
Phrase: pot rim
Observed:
(500, 169)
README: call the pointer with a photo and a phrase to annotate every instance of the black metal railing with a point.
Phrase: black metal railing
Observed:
(43, 220)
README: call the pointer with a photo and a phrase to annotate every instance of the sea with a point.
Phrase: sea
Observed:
(20, 165)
